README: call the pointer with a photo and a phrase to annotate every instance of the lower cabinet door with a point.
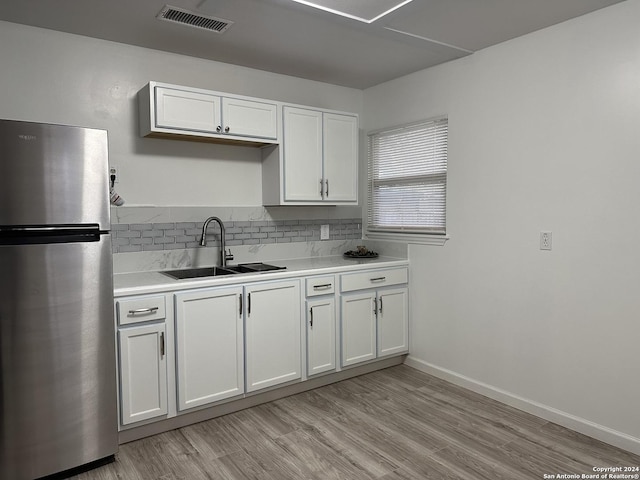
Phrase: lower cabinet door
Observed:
(143, 373)
(358, 327)
(321, 336)
(273, 342)
(393, 321)
(209, 346)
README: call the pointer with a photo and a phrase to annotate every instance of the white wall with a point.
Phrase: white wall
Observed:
(48, 76)
(544, 135)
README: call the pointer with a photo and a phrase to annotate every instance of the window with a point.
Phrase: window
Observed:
(408, 181)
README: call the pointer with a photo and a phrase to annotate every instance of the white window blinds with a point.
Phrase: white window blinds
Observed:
(408, 179)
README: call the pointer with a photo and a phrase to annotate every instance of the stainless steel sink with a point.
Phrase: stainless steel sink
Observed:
(199, 272)
(254, 267)
(218, 271)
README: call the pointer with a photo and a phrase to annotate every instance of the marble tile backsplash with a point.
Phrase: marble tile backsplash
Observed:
(144, 237)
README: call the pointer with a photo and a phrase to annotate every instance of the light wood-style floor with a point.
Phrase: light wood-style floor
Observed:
(393, 424)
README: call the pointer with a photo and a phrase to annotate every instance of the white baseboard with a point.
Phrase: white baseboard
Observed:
(581, 425)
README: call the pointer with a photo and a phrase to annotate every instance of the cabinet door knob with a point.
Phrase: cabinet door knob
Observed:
(226, 129)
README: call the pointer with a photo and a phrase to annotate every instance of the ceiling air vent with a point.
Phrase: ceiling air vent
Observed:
(192, 19)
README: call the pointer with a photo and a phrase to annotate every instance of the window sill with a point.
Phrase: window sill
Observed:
(437, 240)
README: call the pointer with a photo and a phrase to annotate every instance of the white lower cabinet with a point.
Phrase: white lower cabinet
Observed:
(393, 321)
(321, 335)
(209, 346)
(358, 328)
(272, 333)
(142, 372)
(375, 317)
(320, 324)
(194, 348)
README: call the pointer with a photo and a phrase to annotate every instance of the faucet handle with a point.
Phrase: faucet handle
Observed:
(228, 256)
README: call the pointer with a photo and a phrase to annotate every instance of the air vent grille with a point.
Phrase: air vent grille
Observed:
(192, 19)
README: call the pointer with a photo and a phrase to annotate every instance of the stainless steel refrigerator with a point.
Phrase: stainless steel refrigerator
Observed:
(57, 347)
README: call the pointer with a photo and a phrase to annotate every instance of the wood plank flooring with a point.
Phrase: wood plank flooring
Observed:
(393, 424)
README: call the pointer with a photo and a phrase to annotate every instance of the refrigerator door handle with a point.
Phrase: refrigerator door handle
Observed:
(34, 230)
(25, 235)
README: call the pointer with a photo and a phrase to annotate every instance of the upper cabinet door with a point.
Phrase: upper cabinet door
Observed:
(302, 154)
(340, 158)
(186, 110)
(249, 118)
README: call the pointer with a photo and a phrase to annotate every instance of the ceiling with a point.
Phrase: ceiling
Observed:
(291, 38)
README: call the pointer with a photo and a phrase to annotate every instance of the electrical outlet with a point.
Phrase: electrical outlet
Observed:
(545, 240)
(324, 232)
(113, 171)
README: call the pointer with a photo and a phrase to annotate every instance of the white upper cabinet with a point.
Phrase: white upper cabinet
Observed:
(302, 155)
(175, 111)
(184, 110)
(249, 118)
(340, 149)
(317, 163)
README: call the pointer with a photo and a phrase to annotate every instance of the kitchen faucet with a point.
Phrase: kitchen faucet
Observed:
(224, 256)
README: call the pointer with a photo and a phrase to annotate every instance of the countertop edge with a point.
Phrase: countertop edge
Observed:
(155, 282)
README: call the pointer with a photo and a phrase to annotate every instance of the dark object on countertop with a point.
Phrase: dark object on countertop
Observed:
(361, 252)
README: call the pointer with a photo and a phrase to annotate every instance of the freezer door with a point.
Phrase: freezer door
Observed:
(53, 174)
(57, 357)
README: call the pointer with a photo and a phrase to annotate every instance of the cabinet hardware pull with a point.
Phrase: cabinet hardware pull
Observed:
(161, 344)
(327, 189)
(380, 305)
(379, 279)
(324, 286)
(226, 129)
(240, 304)
(249, 303)
(321, 188)
(311, 321)
(143, 311)
(218, 129)
(375, 307)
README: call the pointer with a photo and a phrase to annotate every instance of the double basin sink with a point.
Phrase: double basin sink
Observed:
(219, 271)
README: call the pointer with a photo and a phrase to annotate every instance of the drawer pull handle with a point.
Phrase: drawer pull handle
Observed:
(379, 279)
(324, 286)
(143, 311)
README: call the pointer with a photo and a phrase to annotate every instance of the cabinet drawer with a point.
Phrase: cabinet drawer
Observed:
(321, 285)
(143, 309)
(373, 279)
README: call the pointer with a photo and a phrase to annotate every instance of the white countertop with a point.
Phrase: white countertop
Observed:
(156, 282)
